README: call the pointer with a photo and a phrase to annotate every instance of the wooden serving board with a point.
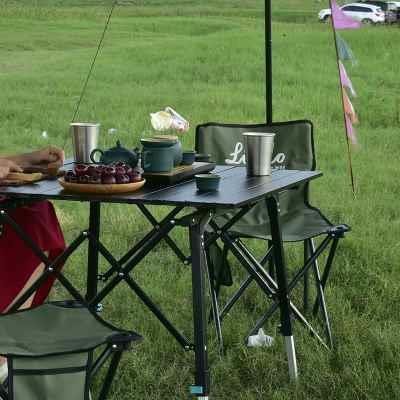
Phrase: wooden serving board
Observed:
(179, 173)
(20, 179)
(101, 189)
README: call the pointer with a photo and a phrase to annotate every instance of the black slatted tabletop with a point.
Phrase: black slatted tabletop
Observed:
(236, 189)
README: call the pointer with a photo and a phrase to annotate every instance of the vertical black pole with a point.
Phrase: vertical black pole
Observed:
(268, 60)
(93, 254)
(281, 277)
(201, 388)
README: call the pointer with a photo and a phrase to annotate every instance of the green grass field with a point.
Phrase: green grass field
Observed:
(206, 60)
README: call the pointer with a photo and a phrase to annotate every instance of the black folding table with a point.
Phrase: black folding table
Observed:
(191, 209)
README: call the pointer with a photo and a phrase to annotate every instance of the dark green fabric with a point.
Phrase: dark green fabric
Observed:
(49, 350)
(294, 149)
(219, 265)
(39, 382)
(50, 387)
(51, 329)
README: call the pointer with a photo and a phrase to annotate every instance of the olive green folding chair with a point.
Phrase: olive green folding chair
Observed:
(51, 354)
(293, 149)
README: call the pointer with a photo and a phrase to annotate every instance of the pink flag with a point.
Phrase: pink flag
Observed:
(349, 109)
(340, 20)
(345, 80)
(351, 134)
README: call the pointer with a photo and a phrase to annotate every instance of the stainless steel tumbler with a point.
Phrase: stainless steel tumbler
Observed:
(84, 138)
(259, 147)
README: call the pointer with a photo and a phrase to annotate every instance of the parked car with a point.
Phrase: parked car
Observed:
(365, 13)
(390, 9)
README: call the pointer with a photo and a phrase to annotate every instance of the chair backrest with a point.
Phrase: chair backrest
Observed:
(293, 149)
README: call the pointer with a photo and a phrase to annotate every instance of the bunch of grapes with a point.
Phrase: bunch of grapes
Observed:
(117, 173)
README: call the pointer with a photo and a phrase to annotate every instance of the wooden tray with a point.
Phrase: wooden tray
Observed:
(101, 189)
(180, 173)
(21, 179)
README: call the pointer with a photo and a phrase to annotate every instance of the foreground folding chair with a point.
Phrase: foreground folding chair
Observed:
(294, 149)
(50, 352)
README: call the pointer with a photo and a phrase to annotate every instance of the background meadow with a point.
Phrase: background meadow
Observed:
(206, 59)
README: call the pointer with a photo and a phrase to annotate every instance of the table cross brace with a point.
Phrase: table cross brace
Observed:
(124, 274)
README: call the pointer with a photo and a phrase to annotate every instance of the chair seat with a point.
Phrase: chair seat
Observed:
(56, 328)
(301, 224)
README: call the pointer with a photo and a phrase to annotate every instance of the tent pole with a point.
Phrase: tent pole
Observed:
(268, 60)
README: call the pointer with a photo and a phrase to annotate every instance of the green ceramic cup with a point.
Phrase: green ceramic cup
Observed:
(207, 182)
(177, 147)
(157, 159)
(203, 157)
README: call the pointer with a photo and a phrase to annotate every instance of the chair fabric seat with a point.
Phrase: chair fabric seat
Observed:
(301, 224)
(54, 328)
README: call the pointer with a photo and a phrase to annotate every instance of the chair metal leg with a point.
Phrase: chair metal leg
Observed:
(3, 393)
(214, 305)
(327, 270)
(271, 267)
(112, 370)
(306, 278)
(232, 301)
(321, 296)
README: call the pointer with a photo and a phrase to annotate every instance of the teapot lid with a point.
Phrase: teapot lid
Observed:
(118, 148)
(166, 137)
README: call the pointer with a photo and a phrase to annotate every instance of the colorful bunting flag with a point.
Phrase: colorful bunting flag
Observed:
(350, 131)
(343, 52)
(345, 80)
(341, 20)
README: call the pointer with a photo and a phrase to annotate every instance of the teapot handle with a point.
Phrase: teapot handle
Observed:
(93, 153)
(146, 164)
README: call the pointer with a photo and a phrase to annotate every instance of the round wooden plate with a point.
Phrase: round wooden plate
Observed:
(101, 189)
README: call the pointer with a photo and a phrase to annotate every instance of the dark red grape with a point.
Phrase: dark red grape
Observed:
(119, 171)
(69, 175)
(80, 169)
(108, 179)
(135, 177)
(83, 179)
(122, 179)
(109, 171)
(93, 171)
(95, 180)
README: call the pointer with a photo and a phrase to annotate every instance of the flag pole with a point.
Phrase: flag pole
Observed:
(268, 60)
(353, 183)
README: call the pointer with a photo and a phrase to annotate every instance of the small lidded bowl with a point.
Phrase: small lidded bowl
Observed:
(203, 157)
(188, 157)
(207, 182)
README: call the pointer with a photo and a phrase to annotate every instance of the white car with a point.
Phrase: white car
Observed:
(364, 13)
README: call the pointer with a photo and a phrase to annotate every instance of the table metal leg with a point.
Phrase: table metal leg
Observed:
(93, 253)
(283, 295)
(201, 386)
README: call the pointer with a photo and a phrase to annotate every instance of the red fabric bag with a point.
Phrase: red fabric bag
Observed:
(17, 260)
